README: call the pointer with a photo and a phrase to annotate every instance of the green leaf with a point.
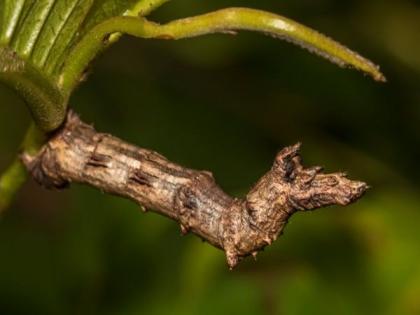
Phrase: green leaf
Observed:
(36, 38)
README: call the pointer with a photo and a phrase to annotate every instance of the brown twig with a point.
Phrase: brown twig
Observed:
(242, 227)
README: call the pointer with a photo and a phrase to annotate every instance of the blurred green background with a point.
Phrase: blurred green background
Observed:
(227, 104)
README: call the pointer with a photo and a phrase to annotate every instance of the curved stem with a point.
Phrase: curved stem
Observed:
(46, 103)
(142, 8)
(15, 175)
(222, 21)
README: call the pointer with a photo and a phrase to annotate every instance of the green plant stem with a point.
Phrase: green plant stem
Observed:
(15, 175)
(141, 9)
(222, 21)
(44, 100)
(10, 183)
(145, 7)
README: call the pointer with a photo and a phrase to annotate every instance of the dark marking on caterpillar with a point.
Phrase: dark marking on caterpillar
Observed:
(99, 160)
(140, 179)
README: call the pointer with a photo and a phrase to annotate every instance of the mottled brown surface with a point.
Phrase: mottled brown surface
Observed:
(241, 227)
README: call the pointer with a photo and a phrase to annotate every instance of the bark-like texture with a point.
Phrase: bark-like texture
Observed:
(78, 153)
